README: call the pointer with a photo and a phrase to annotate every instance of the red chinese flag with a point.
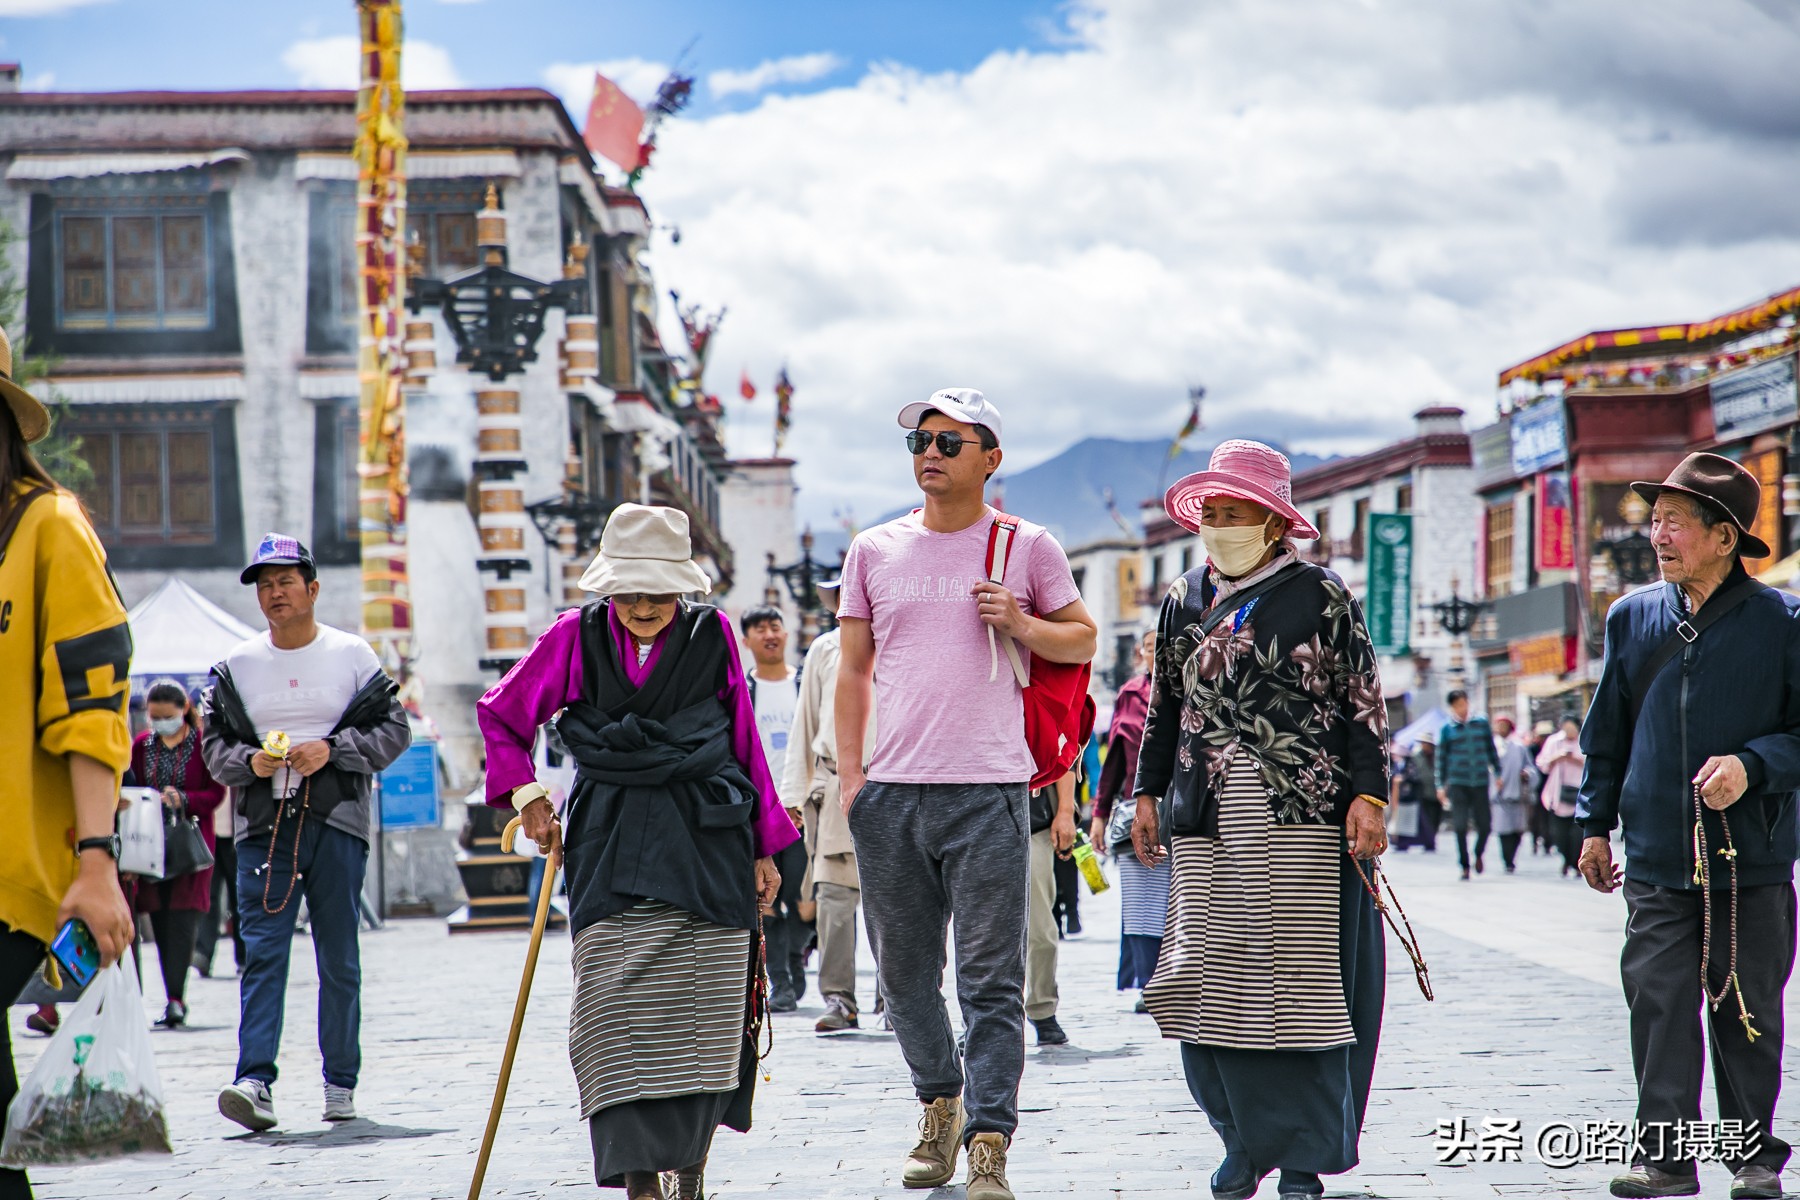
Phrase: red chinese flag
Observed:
(614, 124)
(746, 389)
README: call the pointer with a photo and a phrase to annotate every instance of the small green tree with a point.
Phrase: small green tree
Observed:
(60, 451)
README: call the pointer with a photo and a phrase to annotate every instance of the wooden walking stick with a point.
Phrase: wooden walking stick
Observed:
(518, 1021)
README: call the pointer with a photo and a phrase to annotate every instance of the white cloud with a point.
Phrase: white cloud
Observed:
(799, 68)
(1331, 214)
(574, 82)
(43, 81)
(42, 8)
(331, 62)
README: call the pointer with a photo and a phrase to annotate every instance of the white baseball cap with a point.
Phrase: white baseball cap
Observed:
(959, 404)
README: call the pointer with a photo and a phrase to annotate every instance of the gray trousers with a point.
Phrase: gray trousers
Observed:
(927, 852)
(836, 926)
(1041, 936)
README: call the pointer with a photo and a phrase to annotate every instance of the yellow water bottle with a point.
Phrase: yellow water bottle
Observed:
(1089, 862)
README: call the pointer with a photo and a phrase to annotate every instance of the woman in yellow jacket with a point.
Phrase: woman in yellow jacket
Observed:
(64, 645)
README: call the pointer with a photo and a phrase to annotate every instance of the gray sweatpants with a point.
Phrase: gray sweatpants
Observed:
(928, 851)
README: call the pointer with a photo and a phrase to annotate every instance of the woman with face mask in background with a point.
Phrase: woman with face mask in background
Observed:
(167, 758)
(1266, 739)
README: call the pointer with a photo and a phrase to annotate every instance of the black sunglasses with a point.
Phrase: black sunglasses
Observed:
(949, 444)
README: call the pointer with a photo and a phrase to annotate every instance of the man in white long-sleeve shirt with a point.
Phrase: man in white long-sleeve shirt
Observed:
(810, 783)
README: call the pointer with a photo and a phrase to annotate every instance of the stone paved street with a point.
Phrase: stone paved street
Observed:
(1528, 1024)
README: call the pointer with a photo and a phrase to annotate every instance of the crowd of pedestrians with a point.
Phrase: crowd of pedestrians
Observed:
(725, 825)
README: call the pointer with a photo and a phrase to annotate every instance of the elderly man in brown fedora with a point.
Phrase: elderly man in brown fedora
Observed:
(1693, 744)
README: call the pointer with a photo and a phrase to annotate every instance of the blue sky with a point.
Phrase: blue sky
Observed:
(106, 45)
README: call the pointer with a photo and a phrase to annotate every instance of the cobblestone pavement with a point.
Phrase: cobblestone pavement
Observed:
(1528, 1024)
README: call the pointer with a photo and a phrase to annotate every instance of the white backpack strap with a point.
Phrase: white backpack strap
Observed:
(1000, 549)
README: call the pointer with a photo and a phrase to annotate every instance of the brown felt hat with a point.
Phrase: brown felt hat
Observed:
(1725, 485)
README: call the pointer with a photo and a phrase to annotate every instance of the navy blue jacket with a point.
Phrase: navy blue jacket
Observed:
(1734, 690)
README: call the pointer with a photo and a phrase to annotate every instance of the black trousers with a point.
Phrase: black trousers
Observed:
(1509, 848)
(1067, 908)
(1660, 966)
(1469, 806)
(224, 908)
(1565, 839)
(786, 933)
(175, 934)
(20, 955)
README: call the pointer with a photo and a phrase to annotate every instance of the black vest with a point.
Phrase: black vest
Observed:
(661, 808)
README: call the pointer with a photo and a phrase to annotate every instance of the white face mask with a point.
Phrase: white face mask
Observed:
(166, 726)
(1235, 549)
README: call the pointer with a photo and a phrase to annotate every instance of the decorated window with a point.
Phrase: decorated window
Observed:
(144, 267)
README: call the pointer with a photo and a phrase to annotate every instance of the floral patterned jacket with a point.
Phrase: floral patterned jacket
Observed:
(1287, 682)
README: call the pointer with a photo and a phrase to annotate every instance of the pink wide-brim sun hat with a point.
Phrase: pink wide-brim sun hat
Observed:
(1247, 470)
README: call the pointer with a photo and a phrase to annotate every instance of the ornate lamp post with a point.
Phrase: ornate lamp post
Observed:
(496, 317)
(801, 580)
(1457, 617)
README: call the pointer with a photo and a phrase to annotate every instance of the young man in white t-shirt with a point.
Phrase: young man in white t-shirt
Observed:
(775, 694)
(940, 824)
(302, 817)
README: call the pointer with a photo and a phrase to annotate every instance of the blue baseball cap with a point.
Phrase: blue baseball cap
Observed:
(280, 550)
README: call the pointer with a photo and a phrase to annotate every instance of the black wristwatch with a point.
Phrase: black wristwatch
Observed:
(110, 844)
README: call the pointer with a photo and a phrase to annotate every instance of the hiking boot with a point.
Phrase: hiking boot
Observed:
(1644, 1180)
(782, 999)
(249, 1103)
(1049, 1033)
(932, 1162)
(689, 1183)
(838, 1017)
(987, 1168)
(340, 1103)
(1756, 1183)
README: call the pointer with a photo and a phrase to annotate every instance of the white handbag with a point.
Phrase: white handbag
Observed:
(141, 833)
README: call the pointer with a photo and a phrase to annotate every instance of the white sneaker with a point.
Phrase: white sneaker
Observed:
(340, 1103)
(249, 1103)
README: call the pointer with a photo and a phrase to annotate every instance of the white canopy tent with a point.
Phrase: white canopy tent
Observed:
(179, 634)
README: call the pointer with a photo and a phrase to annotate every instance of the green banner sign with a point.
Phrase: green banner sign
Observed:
(1390, 582)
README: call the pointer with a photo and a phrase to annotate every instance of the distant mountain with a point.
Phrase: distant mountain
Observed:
(1067, 494)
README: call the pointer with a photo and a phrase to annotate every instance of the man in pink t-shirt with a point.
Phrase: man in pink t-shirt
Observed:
(940, 823)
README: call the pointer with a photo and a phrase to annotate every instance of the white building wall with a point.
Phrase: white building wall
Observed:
(756, 517)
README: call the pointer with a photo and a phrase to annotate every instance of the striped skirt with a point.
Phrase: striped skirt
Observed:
(656, 1036)
(659, 1006)
(1143, 896)
(1250, 956)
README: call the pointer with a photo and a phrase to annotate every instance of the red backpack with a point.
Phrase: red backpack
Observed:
(1059, 713)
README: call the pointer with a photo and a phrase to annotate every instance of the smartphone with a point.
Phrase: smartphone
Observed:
(76, 952)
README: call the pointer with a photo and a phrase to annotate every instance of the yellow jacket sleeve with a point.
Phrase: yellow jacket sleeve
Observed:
(84, 643)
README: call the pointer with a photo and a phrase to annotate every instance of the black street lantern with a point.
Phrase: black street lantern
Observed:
(802, 580)
(1457, 615)
(496, 315)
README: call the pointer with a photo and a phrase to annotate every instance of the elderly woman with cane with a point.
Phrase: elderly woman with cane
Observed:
(667, 845)
(1266, 740)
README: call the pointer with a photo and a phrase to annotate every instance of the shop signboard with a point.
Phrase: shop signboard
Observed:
(1538, 438)
(409, 789)
(1752, 399)
(1555, 522)
(1491, 448)
(1390, 582)
(1546, 654)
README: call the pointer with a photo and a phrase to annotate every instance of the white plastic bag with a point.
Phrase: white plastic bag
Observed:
(141, 833)
(95, 1092)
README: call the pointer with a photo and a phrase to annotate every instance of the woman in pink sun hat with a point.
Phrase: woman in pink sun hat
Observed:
(1265, 749)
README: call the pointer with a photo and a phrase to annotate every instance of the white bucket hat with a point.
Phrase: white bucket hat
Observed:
(645, 549)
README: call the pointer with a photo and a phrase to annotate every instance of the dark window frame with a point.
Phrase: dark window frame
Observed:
(225, 547)
(110, 216)
(336, 498)
(43, 285)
